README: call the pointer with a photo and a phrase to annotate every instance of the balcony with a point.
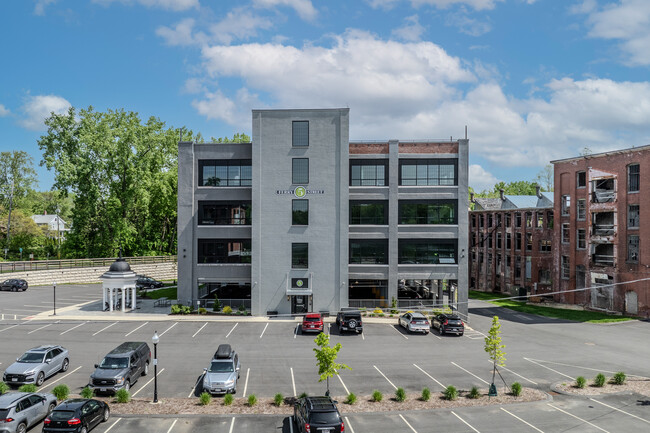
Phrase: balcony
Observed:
(603, 255)
(603, 223)
(603, 191)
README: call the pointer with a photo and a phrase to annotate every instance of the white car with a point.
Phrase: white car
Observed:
(414, 322)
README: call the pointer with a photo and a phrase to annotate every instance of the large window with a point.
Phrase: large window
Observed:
(426, 251)
(224, 213)
(427, 212)
(633, 248)
(633, 177)
(581, 242)
(565, 267)
(529, 241)
(300, 255)
(224, 251)
(545, 246)
(517, 241)
(228, 172)
(300, 172)
(566, 230)
(566, 205)
(633, 216)
(371, 172)
(582, 179)
(369, 251)
(300, 212)
(369, 212)
(581, 208)
(300, 133)
(427, 172)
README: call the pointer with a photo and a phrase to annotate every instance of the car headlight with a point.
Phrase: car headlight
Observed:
(119, 381)
(31, 373)
(230, 382)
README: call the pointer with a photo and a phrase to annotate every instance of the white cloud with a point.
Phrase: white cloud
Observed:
(216, 106)
(304, 8)
(411, 30)
(464, 24)
(181, 34)
(173, 5)
(39, 8)
(38, 108)
(4, 111)
(479, 179)
(441, 4)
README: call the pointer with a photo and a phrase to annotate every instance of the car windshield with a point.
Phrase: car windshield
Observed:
(114, 363)
(33, 358)
(61, 415)
(221, 367)
(324, 418)
(312, 319)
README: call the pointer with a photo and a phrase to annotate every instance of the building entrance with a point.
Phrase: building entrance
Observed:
(299, 304)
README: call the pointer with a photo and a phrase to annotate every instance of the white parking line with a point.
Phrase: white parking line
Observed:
(621, 411)
(469, 372)
(527, 423)
(329, 326)
(518, 375)
(295, 331)
(150, 380)
(42, 327)
(363, 335)
(262, 334)
(172, 426)
(396, 330)
(7, 328)
(578, 418)
(199, 329)
(385, 376)
(103, 329)
(293, 382)
(549, 368)
(38, 306)
(233, 328)
(113, 425)
(345, 387)
(347, 421)
(583, 368)
(232, 424)
(248, 370)
(464, 422)
(60, 378)
(165, 331)
(74, 327)
(131, 332)
(407, 423)
(430, 377)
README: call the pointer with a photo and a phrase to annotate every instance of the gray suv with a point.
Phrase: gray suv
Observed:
(221, 377)
(36, 365)
(121, 367)
(22, 410)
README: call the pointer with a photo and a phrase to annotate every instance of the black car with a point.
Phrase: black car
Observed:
(317, 414)
(79, 415)
(14, 285)
(448, 323)
(349, 321)
(144, 282)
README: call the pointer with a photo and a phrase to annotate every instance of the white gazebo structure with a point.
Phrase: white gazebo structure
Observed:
(119, 282)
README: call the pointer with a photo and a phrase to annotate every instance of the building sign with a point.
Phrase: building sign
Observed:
(300, 191)
(300, 283)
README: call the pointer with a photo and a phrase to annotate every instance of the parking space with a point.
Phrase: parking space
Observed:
(40, 299)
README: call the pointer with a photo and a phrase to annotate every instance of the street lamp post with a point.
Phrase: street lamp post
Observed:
(54, 285)
(155, 339)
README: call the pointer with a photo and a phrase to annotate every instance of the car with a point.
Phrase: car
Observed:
(78, 415)
(448, 323)
(317, 414)
(14, 284)
(414, 322)
(144, 282)
(20, 411)
(36, 365)
(221, 377)
(121, 368)
(349, 320)
(312, 322)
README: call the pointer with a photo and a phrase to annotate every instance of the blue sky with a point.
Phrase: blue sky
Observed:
(533, 80)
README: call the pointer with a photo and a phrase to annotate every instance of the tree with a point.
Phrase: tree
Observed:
(239, 137)
(17, 171)
(494, 347)
(326, 359)
(545, 178)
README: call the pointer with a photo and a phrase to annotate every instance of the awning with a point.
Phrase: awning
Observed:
(299, 292)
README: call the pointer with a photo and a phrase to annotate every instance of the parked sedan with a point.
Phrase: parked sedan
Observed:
(20, 411)
(144, 282)
(79, 415)
(36, 365)
(14, 285)
(448, 323)
(414, 322)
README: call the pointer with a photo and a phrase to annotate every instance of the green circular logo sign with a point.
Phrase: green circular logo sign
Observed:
(300, 191)
(299, 283)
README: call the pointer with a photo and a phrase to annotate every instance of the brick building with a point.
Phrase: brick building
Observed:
(600, 207)
(511, 244)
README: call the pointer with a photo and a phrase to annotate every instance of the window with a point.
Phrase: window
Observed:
(633, 178)
(529, 241)
(544, 276)
(369, 251)
(300, 212)
(545, 245)
(633, 216)
(224, 213)
(581, 208)
(300, 255)
(498, 220)
(517, 219)
(529, 268)
(508, 241)
(540, 220)
(481, 221)
(529, 219)
(427, 212)
(373, 172)
(507, 220)
(426, 251)
(565, 269)
(489, 240)
(230, 172)
(581, 179)
(490, 220)
(566, 229)
(427, 172)
(517, 241)
(566, 205)
(499, 243)
(473, 221)
(300, 173)
(224, 251)
(300, 133)
(582, 239)
(633, 248)
(549, 219)
(369, 212)
(518, 267)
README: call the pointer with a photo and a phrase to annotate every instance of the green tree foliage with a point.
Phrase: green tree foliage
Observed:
(237, 138)
(545, 178)
(494, 347)
(326, 358)
(17, 175)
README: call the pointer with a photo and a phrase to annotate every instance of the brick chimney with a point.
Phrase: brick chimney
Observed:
(471, 197)
(501, 194)
(538, 192)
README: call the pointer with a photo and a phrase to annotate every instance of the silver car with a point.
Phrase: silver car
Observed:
(221, 377)
(36, 365)
(22, 410)
(414, 322)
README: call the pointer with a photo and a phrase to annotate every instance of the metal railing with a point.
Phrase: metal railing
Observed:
(603, 259)
(232, 303)
(368, 303)
(43, 265)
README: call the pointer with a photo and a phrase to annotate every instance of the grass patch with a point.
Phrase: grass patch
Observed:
(558, 313)
(167, 292)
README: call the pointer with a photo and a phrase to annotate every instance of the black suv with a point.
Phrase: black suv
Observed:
(14, 285)
(349, 321)
(144, 282)
(317, 414)
(448, 323)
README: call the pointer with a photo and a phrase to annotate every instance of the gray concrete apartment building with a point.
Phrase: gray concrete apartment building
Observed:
(303, 219)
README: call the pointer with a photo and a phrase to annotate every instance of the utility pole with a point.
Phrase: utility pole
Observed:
(11, 202)
(58, 234)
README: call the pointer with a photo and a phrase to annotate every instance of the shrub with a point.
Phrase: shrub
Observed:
(176, 309)
(227, 310)
(123, 396)
(450, 393)
(619, 378)
(205, 398)
(28, 388)
(242, 308)
(378, 311)
(87, 392)
(227, 399)
(474, 393)
(580, 382)
(203, 311)
(600, 380)
(217, 305)
(515, 389)
(3, 388)
(278, 399)
(393, 306)
(61, 392)
(186, 310)
(252, 400)
(426, 394)
(303, 395)
(351, 398)
(377, 396)
(400, 395)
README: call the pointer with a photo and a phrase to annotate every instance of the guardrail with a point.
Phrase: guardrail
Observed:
(43, 265)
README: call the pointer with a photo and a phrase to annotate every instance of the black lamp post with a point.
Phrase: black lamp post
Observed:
(54, 285)
(155, 339)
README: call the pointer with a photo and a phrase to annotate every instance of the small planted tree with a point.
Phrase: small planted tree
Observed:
(326, 359)
(494, 347)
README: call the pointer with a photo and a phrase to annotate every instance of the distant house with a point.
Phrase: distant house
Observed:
(53, 223)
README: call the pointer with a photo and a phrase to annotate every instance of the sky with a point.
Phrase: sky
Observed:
(532, 80)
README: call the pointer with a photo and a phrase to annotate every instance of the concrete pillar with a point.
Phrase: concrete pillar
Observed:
(103, 297)
(441, 299)
(110, 299)
(133, 297)
(123, 300)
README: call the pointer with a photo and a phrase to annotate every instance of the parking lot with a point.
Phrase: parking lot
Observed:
(277, 358)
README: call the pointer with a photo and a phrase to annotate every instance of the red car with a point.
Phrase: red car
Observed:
(312, 322)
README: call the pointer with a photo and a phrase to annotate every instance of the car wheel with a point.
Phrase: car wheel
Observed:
(40, 378)
(146, 369)
(127, 385)
(152, 286)
(65, 365)
(13, 289)
(352, 324)
(50, 408)
(83, 430)
(22, 428)
(107, 414)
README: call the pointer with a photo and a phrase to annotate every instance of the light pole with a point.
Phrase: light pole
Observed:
(54, 285)
(155, 339)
